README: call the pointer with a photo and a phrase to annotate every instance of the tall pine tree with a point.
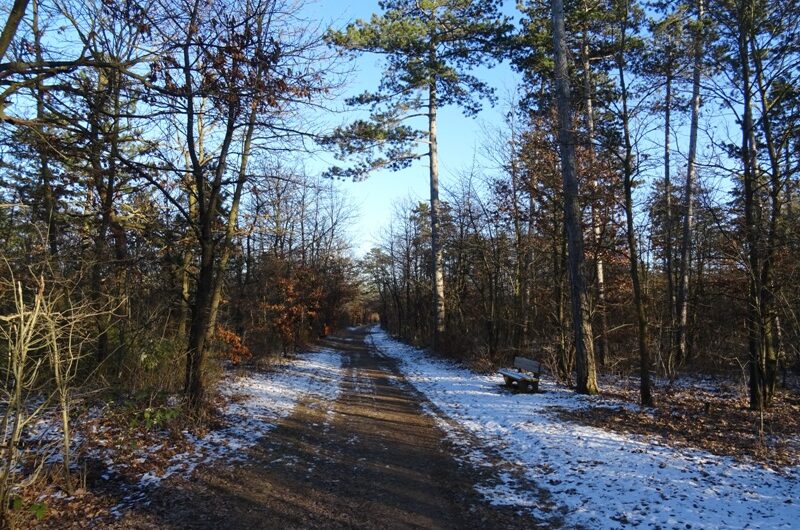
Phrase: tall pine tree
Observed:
(430, 47)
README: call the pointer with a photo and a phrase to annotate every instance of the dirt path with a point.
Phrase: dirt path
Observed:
(371, 459)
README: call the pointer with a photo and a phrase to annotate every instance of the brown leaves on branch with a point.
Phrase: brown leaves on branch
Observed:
(294, 305)
(234, 348)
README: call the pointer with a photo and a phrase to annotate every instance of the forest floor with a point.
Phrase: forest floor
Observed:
(368, 432)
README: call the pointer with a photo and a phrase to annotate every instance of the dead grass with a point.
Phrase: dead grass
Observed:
(121, 433)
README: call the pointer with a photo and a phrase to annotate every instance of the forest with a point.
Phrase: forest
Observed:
(176, 235)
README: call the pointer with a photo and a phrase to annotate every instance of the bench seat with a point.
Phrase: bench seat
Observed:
(526, 378)
(518, 376)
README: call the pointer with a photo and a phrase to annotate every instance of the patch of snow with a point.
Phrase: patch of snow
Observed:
(259, 401)
(597, 478)
(506, 494)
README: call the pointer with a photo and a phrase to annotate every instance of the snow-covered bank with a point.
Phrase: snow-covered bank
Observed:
(261, 399)
(256, 402)
(601, 479)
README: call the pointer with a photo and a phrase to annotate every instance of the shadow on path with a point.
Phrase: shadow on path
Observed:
(370, 459)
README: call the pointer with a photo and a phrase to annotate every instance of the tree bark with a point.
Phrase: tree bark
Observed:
(198, 329)
(48, 206)
(437, 255)
(691, 176)
(769, 314)
(104, 188)
(633, 253)
(15, 16)
(597, 229)
(183, 307)
(581, 319)
(519, 330)
(752, 211)
(203, 309)
(668, 251)
(233, 216)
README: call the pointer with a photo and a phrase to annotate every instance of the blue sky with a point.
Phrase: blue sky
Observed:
(459, 136)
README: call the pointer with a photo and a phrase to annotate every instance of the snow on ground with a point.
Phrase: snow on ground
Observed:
(260, 400)
(597, 478)
(264, 398)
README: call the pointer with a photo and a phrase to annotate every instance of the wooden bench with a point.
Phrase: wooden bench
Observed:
(526, 378)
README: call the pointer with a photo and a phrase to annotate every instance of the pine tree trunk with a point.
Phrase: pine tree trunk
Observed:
(691, 176)
(646, 394)
(581, 319)
(770, 318)
(668, 251)
(519, 323)
(633, 252)
(770, 325)
(436, 250)
(752, 213)
(597, 229)
(104, 191)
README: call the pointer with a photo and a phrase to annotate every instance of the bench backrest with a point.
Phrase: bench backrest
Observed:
(528, 364)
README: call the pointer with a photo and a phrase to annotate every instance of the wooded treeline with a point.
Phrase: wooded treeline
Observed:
(643, 194)
(151, 166)
(154, 207)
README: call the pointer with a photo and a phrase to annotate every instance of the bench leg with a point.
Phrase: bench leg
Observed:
(508, 380)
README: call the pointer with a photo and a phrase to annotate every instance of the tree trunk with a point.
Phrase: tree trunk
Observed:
(104, 190)
(563, 353)
(770, 344)
(48, 206)
(691, 175)
(233, 216)
(581, 319)
(15, 16)
(209, 196)
(668, 251)
(437, 255)
(201, 312)
(752, 212)
(597, 229)
(633, 253)
(184, 307)
(530, 306)
(519, 324)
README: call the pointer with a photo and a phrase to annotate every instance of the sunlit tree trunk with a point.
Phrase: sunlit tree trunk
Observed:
(581, 319)
(597, 229)
(436, 249)
(691, 177)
